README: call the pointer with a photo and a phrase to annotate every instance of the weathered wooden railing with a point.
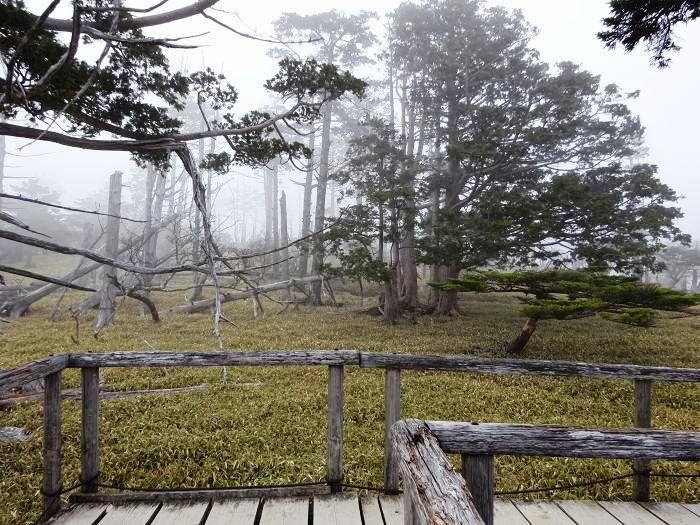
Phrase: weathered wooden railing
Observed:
(435, 493)
(90, 363)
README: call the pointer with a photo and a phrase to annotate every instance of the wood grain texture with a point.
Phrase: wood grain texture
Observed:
(392, 509)
(285, 511)
(225, 358)
(337, 509)
(437, 493)
(479, 473)
(21, 375)
(526, 366)
(505, 513)
(334, 466)
(587, 513)
(371, 512)
(89, 444)
(180, 514)
(392, 413)
(52, 443)
(80, 514)
(133, 514)
(543, 513)
(672, 513)
(555, 440)
(234, 512)
(630, 513)
(641, 489)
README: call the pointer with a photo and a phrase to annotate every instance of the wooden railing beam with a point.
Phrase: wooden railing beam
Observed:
(642, 419)
(51, 487)
(89, 447)
(479, 474)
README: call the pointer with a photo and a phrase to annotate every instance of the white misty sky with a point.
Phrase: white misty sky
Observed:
(668, 103)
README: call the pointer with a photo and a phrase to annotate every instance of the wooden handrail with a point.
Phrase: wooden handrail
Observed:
(17, 377)
(433, 491)
(430, 481)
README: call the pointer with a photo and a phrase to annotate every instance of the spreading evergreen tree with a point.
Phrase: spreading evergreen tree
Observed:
(575, 294)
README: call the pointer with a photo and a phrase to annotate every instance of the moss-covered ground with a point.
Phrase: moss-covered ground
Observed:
(267, 425)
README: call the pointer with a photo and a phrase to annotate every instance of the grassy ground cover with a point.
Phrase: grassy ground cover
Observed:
(267, 425)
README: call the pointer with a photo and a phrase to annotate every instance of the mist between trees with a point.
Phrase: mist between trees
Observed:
(442, 145)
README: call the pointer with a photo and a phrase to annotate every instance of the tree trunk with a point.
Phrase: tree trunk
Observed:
(321, 200)
(306, 210)
(517, 345)
(391, 308)
(2, 164)
(275, 222)
(108, 293)
(284, 239)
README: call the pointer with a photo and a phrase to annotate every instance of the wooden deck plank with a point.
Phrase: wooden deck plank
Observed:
(181, 513)
(587, 513)
(285, 511)
(392, 508)
(693, 507)
(236, 512)
(337, 509)
(505, 513)
(630, 513)
(371, 511)
(672, 513)
(134, 514)
(80, 515)
(543, 513)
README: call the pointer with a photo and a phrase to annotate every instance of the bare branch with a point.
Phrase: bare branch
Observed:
(68, 208)
(39, 277)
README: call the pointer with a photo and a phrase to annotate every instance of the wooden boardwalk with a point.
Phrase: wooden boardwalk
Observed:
(350, 509)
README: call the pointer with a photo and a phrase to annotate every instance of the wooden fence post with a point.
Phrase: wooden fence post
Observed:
(89, 447)
(51, 500)
(478, 472)
(334, 475)
(642, 419)
(392, 413)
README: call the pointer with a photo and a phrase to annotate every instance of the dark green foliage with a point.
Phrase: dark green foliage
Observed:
(570, 294)
(134, 92)
(632, 22)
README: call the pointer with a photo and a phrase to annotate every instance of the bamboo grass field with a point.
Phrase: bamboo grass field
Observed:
(268, 425)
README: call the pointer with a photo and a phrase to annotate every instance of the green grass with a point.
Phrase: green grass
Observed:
(267, 425)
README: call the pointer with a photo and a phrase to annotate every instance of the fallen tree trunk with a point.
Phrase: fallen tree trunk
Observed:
(206, 304)
(16, 306)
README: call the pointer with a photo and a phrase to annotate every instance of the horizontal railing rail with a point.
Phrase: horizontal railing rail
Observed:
(51, 367)
(478, 443)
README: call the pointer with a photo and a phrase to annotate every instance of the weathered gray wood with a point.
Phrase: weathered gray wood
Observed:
(130, 513)
(89, 446)
(527, 366)
(409, 517)
(505, 513)
(51, 500)
(672, 513)
(543, 513)
(334, 474)
(587, 513)
(555, 440)
(337, 509)
(180, 514)
(392, 509)
(630, 513)
(197, 358)
(194, 495)
(76, 393)
(86, 514)
(693, 507)
(479, 473)
(392, 413)
(371, 512)
(436, 492)
(285, 511)
(206, 304)
(234, 512)
(16, 377)
(642, 419)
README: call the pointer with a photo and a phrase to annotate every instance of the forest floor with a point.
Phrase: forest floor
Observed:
(268, 425)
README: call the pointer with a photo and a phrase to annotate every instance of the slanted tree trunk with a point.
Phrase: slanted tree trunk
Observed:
(320, 218)
(517, 345)
(284, 239)
(108, 293)
(306, 209)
